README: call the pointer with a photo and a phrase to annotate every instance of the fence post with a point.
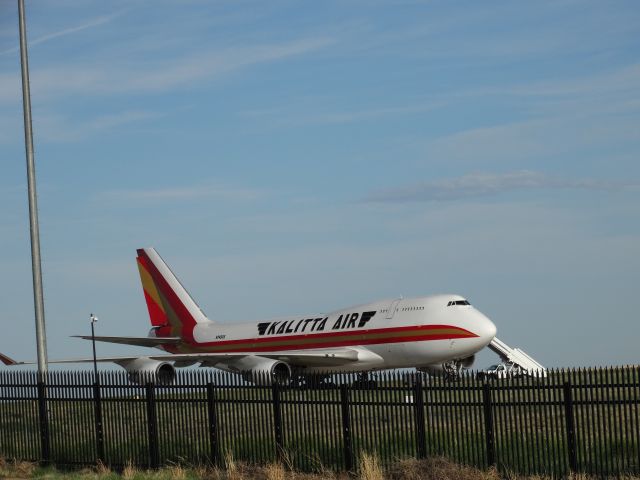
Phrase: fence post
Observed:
(213, 424)
(152, 426)
(97, 402)
(418, 405)
(488, 425)
(346, 427)
(571, 431)
(44, 421)
(277, 421)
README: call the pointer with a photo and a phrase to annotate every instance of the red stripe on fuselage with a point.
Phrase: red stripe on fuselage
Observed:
(334, 339)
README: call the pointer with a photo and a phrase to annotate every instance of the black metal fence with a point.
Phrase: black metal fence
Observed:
(583, 420)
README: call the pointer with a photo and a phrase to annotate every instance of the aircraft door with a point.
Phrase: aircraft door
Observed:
(393, 308)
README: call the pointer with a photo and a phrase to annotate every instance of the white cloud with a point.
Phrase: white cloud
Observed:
(11, 127)
(184, 193)
(67, 31)
(10, 88)
(140, 76)
(54, 127)
(485, 184)
(622, 80)
(58, 128)
(122, 118)
(550, 138)
(315, 114)
(213, 63)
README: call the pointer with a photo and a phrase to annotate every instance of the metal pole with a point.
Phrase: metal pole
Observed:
(41, 334)
(96, 395)
(94, 319)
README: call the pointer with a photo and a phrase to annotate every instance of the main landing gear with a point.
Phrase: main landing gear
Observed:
(364, 381)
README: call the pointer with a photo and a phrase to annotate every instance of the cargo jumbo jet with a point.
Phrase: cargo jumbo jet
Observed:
(438, 334)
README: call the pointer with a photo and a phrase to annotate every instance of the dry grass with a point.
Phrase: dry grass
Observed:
(102, 470)
(232, 468)
(572, 476)
(207, 473)
(275, 471)
(176, 472)
(435, 468)
(370, 467)
(129, 471)
(16, 469)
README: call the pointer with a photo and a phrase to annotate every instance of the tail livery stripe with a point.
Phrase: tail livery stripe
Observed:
(181, 312)
(154, 303)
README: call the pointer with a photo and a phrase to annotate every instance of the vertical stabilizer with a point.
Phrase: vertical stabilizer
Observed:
(172, 311)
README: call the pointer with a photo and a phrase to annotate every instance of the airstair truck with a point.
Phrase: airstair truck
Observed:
(517, 360)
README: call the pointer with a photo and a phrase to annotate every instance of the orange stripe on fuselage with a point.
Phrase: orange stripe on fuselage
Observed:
(377, 336)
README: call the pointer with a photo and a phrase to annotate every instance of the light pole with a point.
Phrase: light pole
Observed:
(94, 320)
(41, 335)
(96, 393)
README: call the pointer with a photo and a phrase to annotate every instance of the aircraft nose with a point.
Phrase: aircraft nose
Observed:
(486, 329)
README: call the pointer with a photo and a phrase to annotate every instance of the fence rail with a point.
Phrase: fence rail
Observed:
(584, 420)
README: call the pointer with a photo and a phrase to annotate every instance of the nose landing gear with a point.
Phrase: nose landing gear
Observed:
(452, 370)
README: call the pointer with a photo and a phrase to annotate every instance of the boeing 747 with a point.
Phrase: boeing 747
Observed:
(438, 333)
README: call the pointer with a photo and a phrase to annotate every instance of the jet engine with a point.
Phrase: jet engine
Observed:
(450, 369)
(145, 370)
(269, 372)
(468, 362)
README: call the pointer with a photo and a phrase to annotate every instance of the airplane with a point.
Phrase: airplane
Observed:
(439, 334)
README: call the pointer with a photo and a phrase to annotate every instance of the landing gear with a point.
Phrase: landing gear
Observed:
(313, 381)
(364, 381)
(452, 370)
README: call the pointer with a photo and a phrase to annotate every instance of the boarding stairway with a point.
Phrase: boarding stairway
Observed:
(518, 358)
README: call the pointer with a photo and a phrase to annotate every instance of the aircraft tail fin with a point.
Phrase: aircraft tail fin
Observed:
(172, 311)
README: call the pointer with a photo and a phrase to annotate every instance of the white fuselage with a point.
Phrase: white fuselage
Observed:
(413, 332)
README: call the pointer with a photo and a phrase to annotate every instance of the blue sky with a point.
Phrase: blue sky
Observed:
(291, 157)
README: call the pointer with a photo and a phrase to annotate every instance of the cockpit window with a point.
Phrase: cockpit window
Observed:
(458, 302)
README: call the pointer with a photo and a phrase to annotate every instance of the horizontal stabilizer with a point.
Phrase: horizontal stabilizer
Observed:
(9, 361)
(328, 358)
(139, 341)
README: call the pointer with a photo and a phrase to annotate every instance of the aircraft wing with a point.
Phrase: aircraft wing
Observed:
(139, 341)
(329, 357)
